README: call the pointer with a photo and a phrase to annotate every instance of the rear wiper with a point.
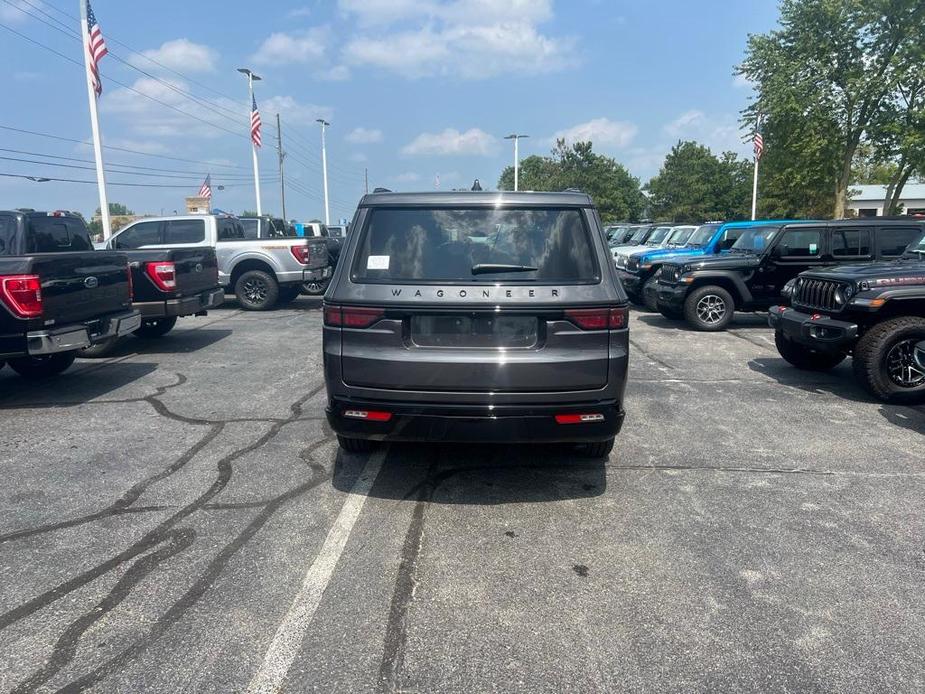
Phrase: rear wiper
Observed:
(488, 268)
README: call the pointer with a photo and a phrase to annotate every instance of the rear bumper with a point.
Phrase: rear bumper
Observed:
(73, 337)
(472, 424)
(299, 276)
(823, 334)
(186, 306)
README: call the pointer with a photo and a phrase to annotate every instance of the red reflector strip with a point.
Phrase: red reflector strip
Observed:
(368, 415)
(579, 418)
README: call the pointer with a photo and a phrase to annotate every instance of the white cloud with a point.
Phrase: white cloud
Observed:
(292, 112)
(299, 47)
(179, 54)
(687, 122)
(719, 133)
(472, 39)
(338, 73)
(603, 132)
(452, 142)
(364, 136)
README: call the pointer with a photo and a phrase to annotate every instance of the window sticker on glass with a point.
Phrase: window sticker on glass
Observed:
(812, 248)
(377, 262)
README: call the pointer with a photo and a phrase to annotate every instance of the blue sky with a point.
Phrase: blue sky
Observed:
(414, 89)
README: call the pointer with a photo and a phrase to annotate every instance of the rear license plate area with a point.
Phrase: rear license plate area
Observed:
(94, 328)
(475, 331)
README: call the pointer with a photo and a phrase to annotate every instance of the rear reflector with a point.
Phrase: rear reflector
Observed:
(164, 275)
(22, 294)
(579, 418)
(302, 254)
(351, 317)
(598, 318)
(368, 415)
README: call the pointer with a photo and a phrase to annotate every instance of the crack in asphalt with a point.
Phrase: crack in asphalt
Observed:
(751, 341)
(635, 345)
(152, 537)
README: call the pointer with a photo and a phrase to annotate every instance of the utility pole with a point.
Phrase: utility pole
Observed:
(95, 125)
(282, 155)
(251, 78)
(324, 167)
(516, 138)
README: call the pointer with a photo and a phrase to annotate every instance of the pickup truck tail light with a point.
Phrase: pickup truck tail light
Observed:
(598, 318)
(22, 294)
(351, 317)
(164, 275)
(301, 253)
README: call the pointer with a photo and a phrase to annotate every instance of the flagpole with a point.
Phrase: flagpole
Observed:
(757, 139)
(95, 126)
(755, 189)
(250, 86)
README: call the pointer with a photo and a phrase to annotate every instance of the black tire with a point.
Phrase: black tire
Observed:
(156, 327)
(288, 294)
(883, 357)
(37, 368)
(355, 445)
(709, 308)
(598, 449)
(805, 358)
(650, 299)
(315, 288)
(634, 298)
(256, 290)
(670, 313)
(100, 349)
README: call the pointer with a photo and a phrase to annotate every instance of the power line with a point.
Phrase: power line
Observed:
(120, 149)
(43, 179)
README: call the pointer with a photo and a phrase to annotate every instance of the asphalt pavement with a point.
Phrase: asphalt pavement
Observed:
(178, 518)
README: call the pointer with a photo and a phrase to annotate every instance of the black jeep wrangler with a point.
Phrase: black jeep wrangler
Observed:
(752, 275)
(874, 312)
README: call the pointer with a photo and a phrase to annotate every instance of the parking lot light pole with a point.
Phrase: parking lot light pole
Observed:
(251, 78)
(516, 138)
(324, 170)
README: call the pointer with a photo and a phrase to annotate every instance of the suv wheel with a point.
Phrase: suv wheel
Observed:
(35, 368)
(804, 357)
(885, 363)
(709, 308)
(256, 290)
(355, 445)
(598, 449)
(156, 327)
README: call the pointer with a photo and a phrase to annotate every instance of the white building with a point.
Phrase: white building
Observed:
(867, 201)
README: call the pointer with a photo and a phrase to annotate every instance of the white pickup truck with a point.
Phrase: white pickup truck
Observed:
(260, 272)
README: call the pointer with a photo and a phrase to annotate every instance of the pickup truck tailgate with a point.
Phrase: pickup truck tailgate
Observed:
(197, 269)
(81, 285)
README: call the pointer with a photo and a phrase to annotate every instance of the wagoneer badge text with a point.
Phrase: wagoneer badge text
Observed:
(478, 293)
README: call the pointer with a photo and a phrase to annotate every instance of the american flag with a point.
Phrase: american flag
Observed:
(758, 141)
(96, 49)
(255, 125)
(206, 190)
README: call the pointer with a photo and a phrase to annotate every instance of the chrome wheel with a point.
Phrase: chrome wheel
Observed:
(711, 309)
(255, 290)
(903, 368)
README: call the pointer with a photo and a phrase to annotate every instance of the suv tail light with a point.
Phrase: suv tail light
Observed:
(301, 253)
(164, 275)
(22, 294)
(351, 317)
(598, 318)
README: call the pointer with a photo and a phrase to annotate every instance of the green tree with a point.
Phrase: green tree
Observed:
(822, 80)
(693, 185)
(614, 190)
(117, 208)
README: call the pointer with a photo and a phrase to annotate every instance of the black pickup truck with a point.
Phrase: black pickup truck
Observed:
(57, 294)
(169, 283)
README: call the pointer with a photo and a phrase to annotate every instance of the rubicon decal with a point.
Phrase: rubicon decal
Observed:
(892, 281)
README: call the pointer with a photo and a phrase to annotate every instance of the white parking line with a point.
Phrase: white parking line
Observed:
(291, 632)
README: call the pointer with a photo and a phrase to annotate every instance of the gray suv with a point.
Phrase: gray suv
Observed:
(476, 317)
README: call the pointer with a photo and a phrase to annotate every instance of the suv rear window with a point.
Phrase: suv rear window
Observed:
(446, 244)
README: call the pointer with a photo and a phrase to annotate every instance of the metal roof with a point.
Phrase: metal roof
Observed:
(911, 191)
